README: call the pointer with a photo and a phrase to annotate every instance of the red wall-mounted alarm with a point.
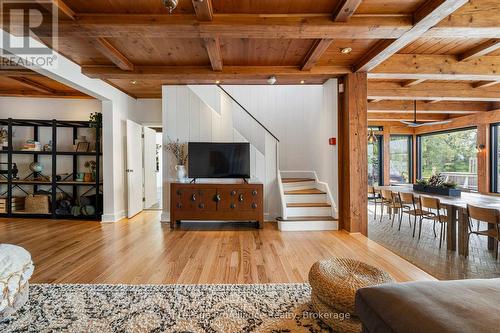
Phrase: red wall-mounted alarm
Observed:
(332, 141)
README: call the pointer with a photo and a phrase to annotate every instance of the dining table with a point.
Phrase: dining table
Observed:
(456, 211)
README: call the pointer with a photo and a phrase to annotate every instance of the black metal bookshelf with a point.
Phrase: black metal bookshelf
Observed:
(54, 183)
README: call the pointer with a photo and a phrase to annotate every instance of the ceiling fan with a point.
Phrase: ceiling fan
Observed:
(415, 123)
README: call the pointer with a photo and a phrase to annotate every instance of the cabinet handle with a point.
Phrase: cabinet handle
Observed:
(179, 205)
(254, 205)
(254, 193)
(179, 192)
(201, 205)
(193, 197)
(241, 198)
(217, 198)
(233, 206)
(233, 193)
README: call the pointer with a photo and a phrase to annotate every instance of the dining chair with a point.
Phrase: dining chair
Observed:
(390, 200)
(374, 195)
(433, 213)
(488, 215)
(410, 206)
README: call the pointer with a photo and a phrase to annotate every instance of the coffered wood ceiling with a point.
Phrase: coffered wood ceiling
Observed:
(440, 52)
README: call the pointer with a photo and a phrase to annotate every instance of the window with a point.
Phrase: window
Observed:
(400, 163)
(375, 162)
(495, 158)
(453, 154)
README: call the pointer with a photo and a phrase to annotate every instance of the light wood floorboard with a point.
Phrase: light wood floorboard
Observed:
(143, 250)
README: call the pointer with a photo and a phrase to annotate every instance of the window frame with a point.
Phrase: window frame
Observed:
(409, 138)
(380, 143)
(494, 146)
(419, 144)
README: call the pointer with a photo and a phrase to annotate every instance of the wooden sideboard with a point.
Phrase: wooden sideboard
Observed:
(217, 202)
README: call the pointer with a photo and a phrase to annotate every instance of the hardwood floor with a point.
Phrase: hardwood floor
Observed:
(142, 250)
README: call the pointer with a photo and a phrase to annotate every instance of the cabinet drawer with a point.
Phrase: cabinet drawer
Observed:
(195, 200)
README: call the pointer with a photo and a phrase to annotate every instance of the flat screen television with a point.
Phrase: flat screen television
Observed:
(218, 160)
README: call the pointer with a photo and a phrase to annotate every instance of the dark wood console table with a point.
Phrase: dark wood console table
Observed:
(216, 202)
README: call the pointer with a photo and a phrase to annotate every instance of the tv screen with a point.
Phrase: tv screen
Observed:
(218, 160)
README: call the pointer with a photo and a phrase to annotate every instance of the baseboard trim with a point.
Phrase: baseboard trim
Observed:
(112, 218)
(165, 217)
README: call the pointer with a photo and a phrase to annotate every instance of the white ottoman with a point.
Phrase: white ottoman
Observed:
(16, 268)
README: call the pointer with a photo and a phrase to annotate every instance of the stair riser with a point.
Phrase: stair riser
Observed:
(298, 186)
(308, 211)
(305, 198)
(308, 225)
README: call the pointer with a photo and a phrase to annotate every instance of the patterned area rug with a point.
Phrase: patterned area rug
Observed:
(166, 308)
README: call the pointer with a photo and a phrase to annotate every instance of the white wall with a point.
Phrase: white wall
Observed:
(303, 117)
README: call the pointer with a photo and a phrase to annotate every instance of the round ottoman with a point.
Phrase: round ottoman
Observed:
(334, 283)
(16, 268)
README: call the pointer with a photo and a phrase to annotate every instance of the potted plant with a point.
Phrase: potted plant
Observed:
(95, 121)
(4, 138)
(436, 184)
(90, 176)
(179, 151)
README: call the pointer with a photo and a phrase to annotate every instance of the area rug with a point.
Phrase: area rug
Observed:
(166, 308)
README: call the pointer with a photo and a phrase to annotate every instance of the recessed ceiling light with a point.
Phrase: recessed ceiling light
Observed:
(302, 82)
(133, 82)
(346, 50)
(217, 82)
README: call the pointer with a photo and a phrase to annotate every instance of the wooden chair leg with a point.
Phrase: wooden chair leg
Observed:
(414, 225)
(420, 227)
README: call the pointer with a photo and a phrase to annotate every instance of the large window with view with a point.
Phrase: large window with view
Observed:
(375, 164)
(495, 158)
(400, 163)
(453, 154)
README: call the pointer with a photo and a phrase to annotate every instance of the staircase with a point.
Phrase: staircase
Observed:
(307, 203)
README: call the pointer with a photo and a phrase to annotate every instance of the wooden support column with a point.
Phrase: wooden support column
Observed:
(483, 165)
(353, 159)
(414, 163)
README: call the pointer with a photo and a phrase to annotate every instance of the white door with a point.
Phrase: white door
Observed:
(150, 190)
(134, 168)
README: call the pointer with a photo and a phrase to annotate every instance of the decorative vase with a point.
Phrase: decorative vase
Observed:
(181, 172)
(87, 177)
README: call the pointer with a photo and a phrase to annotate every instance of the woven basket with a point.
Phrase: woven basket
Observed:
(336, 280)
(333, 318)
(37, 204)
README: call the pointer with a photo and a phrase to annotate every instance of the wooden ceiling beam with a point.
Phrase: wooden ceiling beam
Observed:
(212, 46)
(202, 72)
(33, 85)
(484, 84)
(64, 8)
(425, 18)
(108, 50)
(17, 72)
(34, 93)
(315, 53)
(480, 50)
(390, 116)
(437, 67)
(345, 10)
(203, 10)
(446, 107)
(412, 83)
(431, 92)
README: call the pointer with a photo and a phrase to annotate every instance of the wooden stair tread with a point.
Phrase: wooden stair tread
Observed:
(308, 204)
(306, 218)
(297, 180)
(305, 191)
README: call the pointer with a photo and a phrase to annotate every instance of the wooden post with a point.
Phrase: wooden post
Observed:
(353, 159)
(386, 159)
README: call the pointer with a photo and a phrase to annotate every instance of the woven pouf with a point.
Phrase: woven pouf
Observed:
(335, 281)
(16, 268)
(339, 321)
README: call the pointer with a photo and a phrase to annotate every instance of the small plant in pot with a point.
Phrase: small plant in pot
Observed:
(437, 184)
(178, 149)
(90, 176)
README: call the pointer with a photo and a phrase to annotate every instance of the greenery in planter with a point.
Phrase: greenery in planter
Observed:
(95, 120)
(436, 180)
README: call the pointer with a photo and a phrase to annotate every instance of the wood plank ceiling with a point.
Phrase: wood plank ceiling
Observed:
(443, 53)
